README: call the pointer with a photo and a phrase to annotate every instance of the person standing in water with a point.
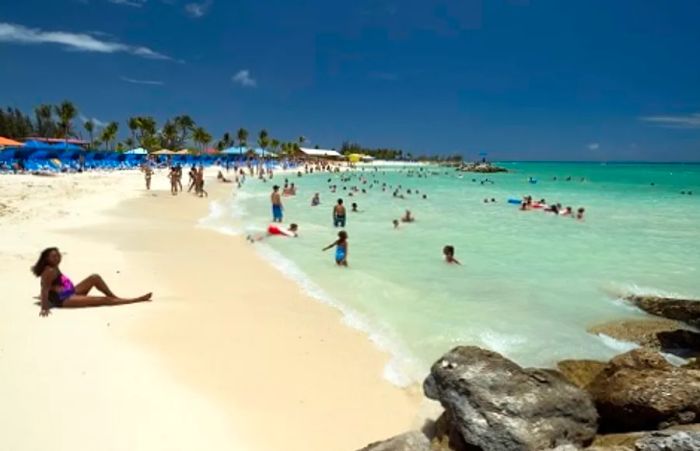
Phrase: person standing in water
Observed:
(276, 200)
(339, 214)
(316, 200)
(58, 291)
(341, 248)
(449, 253)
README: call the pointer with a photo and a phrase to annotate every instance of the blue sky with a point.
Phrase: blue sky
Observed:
(562, 80)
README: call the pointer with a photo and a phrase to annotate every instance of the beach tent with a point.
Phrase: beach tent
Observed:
(183, 152)
(320, 153)
(137, 151)
(6, 142)
(164, 152)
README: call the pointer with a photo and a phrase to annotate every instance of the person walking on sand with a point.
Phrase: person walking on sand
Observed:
(58, 291)
(276, 200)
(173, 180)
(339, 214)
(199, 181)
(148, 172)
(341, 249)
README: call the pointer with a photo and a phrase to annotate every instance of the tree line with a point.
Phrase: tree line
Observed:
(59, 121)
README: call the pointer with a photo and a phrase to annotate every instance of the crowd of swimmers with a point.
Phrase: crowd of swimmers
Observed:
(339, 212)
(557, 209)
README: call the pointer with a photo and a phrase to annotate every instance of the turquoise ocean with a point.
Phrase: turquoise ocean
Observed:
(531, 282)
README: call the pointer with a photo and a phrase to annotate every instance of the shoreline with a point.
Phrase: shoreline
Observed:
(318, 381)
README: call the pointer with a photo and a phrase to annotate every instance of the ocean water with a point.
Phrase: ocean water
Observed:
(531, 283)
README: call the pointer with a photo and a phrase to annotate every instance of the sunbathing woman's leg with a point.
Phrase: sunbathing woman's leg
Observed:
(94, 281)
(79, 300)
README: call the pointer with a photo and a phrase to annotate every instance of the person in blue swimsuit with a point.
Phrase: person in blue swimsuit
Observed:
(341, 249)
(276, 200)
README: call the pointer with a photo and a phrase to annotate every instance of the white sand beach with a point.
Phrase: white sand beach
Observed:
(229, 355)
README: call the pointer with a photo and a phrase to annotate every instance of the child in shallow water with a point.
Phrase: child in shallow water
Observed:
(449, 253)
(341, 249)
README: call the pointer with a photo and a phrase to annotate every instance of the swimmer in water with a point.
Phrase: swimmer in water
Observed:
(341, 248)
(449, 253)
(579, 213)
(275, 230)
(396, 223)
(316, 200)
(408, 217)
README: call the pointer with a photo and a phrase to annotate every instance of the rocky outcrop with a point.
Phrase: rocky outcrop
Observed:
(580, 372)
(497, 405)
(665, 335)
(640, 390)
(410, 441)
(484, 168)
(685, 310)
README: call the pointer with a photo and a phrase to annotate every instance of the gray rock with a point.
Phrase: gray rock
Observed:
(669, 441)
(410, 441)
(497, 405)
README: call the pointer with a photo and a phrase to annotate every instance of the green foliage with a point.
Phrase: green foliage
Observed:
(15, 125)
(382, 154)
(66, 112)
(201, 136)
(242, 137)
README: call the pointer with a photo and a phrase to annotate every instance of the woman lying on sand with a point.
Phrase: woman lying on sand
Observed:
(57, 290)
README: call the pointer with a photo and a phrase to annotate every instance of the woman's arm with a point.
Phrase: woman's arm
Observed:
(47, 277)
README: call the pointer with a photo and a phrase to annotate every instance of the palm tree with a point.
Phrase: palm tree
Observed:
(90, 128)
(242, 139)
(147, 129)
(45, 125)
(134, 124)
(109, 134)
(130, 143)
(274, 145)
(301, 140)
(185, 124)
(66, 112)
(263, 141)
(169, 135)
(201, 136)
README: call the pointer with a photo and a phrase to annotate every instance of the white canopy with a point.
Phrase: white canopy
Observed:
(320, 153)
(137, 151)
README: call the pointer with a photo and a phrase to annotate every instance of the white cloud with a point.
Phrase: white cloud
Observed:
(198, 9)
(20, 34)
(98, 123)
(593, 146)
(142, 82)
(134, 3)
(687, 121)
(243, 78)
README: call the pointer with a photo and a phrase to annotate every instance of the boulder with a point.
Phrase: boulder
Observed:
(497, 405)
(685, 310)
(640, 390)
(410, 441)
(580, 372)
(669, 441)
